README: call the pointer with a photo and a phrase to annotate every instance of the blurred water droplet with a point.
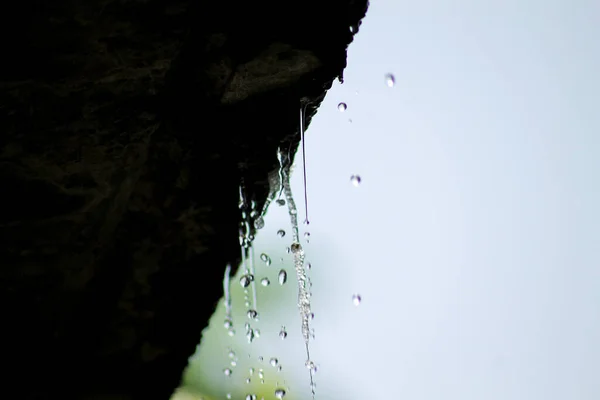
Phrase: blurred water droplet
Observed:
(342, 107)
(280, 202)
(279, 368)
(273, 361)
(282, 333)
(231, 354)
(288, 250)
(307, 236)
(245, 280)
(257, 333)
(251, 371)
(279, 393)
(248, 380)
(390, 80)
(233, 363)
(266, 259)
(281, 233)
(231, 332)
(228, 323)
(259, 223)
(355, 179)
(356, 299)
(260, 358)
(250, 397)
(308, 266)
(227, 371)
(261, 374)
(228, 395)
(247, 303)
(265, 282)
(252, 314)
(282, 277)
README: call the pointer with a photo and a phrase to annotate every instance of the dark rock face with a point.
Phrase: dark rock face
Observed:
(126, 127)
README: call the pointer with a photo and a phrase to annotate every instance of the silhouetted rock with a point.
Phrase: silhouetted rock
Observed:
(126, 128)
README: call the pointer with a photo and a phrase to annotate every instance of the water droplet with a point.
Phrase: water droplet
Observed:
(356, 299)
(281, 233)
(265, 282)
(355, 179)
(282, 277)
(233, 363)
(280, 393)
(259, 223)
(282, 333)
(250, 397)
(279, 368)
(227, 371)
(251, 371)
(288, 250)
(266, 259)
(296, 247)
(252, 314)
(228, 395)
(273, 361)
(308, 266)
(390, 80)
(247, 303)
(245, 280)
(248, 380)
(342, 107)
(280, 202)
(307, 235)
(228, 323)
(261, 374)
(231, 354)
(231, 332)
(260, 358)
(311, 316)
(257, 332)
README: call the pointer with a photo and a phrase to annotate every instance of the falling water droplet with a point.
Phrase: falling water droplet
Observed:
(273, 361)
(390, 80)
(266, 259)
(252, 314)
(279, 393)
(228, 395)
(248, 380)
(231, 332)
(233, 363)
(228, 323)
(227, 371)
(307, 236)
(251, 371)
(282, 333)
(245, 280)
(259, 223)
(231, 354)
(288, 250)
(356, 299)
(342, 107)
(279, 368)
(265, 282)
(308, 266)
(280, 202)
(261, 374)
(355, 179)
(260, 358)
(282, 277)
(281, 233)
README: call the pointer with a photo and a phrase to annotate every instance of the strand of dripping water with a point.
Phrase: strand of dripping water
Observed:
(302, 117)
(227, 292)
(246, 244)
(298, 254)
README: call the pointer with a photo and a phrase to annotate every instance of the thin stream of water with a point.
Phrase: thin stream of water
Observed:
(302, 115)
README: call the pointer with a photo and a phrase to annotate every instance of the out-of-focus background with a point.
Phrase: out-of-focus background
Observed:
(472, 236)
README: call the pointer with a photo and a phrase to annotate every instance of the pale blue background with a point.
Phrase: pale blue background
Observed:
(474, 237)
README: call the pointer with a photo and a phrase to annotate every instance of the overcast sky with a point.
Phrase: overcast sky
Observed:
(473, 236)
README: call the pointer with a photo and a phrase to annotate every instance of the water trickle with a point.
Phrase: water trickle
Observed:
(282, 277)
(273, 361)
(279, 393)
(302, 125)
(355, 180)
(298, 255)
(265, 282)
(282, 333)
(266, 259)
(281, 233)
(342, 107)
(356, 299)
(227, 371)
(226, 290)
(390, 80)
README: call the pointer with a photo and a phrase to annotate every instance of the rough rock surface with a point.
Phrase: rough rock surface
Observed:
(126, 127)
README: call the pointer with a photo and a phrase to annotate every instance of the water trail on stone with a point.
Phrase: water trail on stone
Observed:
(302, 115)
(298, 255)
